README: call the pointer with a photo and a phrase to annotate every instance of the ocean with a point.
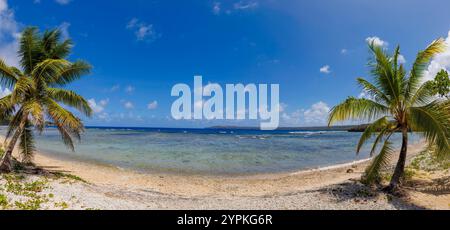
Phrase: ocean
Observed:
(209, 151)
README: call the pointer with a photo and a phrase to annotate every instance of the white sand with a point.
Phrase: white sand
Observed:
(113, 188)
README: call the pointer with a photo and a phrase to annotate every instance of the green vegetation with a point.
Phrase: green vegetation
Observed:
(38, 90)
(69, 176)
(398, 102)
(28, 193)
(428, 162)
(441, 84)
(62, 205)
(3, 201)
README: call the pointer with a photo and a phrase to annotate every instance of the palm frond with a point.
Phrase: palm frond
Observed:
(27, 146)
(354, 108)
(61, 50)
(385, 133)
(71, 73)
(63, 116)
(70, 98)
(380, 162)
(50, 69)
(8, 75)
(382, 69)
(433, 120)
(421, 63)
(53, 48)
(373, 91)
(424, 95)
(7, 108)
(29, 49)
(36, 111)
(371, 130)
(22, 88)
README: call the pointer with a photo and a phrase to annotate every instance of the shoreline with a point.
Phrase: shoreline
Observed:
(204, 184)
(112, 188)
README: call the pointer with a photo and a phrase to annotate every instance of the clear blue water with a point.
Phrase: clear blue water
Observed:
(209, 151)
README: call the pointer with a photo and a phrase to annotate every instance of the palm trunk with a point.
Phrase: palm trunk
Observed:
(400, 168)
(6, 165)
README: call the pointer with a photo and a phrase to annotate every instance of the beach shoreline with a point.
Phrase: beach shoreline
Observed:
(114, 188)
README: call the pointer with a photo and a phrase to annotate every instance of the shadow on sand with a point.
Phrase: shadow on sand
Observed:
(359, 193)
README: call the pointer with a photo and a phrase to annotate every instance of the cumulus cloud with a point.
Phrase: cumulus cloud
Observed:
(128, 105)
(63, 2)
(325, 69)
(439, 62)
(316, 115)
(9, 35)
(98, 107)
(229, 8)
(3, 5)
(129, 89)
(142, 30)
(64, 28)
(245, 5)
(216, 7)
(376, 41)
(152, 105)
(401, 59)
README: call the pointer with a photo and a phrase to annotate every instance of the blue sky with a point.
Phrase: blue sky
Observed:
(141, 48)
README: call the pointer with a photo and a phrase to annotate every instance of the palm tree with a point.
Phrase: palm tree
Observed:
(38, 93)
(398, 102)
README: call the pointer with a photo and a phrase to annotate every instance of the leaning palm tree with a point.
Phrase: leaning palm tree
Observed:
(397, 102)
(38, 93)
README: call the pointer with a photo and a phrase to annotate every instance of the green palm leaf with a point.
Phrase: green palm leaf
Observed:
(70, 98)
(27, 146)
(380, 162)
(354, 108)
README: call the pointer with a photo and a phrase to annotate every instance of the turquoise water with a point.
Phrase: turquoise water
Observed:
(209, 151)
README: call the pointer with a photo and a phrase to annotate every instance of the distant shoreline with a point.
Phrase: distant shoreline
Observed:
(344, 128)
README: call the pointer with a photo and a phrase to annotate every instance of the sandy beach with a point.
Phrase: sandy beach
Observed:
(334, 187)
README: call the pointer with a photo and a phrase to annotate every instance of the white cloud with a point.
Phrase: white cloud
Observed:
(114, 88)
(3, 5)
(142, 30)
(317, 114)
(245, 5)
(63, 2)
(344, 51)
(401, 59)
(216, 8)
(439, 62)
(9, 35)
(98, 107)
(152, 105)
(325, 69)
(64, 28)
(129, 89)
(377, 41)
(365, 95)
(228, 8)
(128, 105)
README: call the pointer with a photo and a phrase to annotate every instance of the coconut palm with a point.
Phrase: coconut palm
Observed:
(38, 94)
(397, 102)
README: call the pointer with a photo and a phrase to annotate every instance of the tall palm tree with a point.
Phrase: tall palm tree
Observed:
(38, 93)
(399, 103)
